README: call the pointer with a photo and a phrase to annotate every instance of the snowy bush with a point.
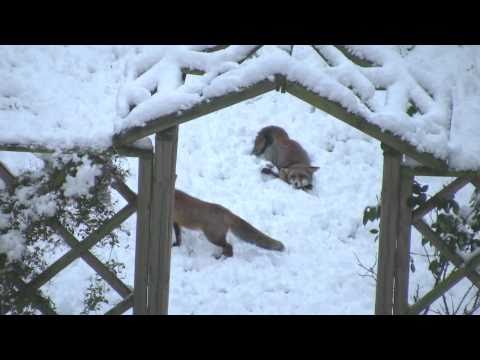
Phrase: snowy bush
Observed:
(73, 189)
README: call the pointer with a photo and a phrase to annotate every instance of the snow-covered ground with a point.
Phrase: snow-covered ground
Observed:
(322, 230)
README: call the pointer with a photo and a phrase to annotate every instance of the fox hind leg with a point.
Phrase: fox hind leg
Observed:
(220, 239)
(178, 235)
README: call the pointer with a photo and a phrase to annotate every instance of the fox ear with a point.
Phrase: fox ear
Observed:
(313, 168)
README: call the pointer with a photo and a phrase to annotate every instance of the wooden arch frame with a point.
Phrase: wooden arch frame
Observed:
(154, 201)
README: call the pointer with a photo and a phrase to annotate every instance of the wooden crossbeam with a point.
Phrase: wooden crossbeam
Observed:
(428, 171)
(354, 58)
(121, 307)
(215, 48)
(127, 150)
(7, 176)
(451, 280)
(446, 193)
(74, 253)
(99, 267)
(250, 53)
(122, 188)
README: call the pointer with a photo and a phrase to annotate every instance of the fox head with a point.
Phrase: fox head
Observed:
(298, 175)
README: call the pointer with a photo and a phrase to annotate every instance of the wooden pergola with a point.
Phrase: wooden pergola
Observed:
(156, 185)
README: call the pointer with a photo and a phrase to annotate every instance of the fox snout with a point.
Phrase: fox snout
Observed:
(300, 183)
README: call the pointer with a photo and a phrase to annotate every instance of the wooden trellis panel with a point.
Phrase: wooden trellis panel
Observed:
(392, 291)
(80, 249)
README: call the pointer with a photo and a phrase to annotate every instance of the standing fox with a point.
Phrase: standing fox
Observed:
(215, 221)
(291, 160)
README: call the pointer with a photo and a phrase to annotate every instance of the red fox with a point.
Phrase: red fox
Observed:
(215, 221)
(291, 160)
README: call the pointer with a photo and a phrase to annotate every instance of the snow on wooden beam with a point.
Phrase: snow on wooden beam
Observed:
(427, 171)
(364, 126)
(129, 150)
(203, 108)
(353, 58)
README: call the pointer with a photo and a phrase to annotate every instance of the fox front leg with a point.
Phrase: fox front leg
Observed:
(268, 170)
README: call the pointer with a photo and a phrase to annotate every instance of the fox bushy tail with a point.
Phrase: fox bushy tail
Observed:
(249, 234)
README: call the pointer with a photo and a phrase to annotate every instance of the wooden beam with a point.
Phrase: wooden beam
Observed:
(364, 126)
(203, 108)
(388, 231)
(446, 193)
(127, 150)
(99, 267)
(144, 203)
(402, 255)
(354, 58)
(132, 151)
(122, 306)
(250, 53)
(6, 175)
(215, 48)
(426, 171)
(163, 189)
(122, 188)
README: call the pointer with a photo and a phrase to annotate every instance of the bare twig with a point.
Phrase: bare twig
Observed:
(370, 270)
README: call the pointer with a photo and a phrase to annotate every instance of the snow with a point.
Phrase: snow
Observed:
(60, 96)
(83, 181)
(73, 96)
(12, 244)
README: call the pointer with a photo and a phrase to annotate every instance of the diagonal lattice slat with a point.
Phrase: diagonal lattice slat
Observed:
(99, 267)
(464, 269)
(122, 306)
(446, 193)
(451, 280)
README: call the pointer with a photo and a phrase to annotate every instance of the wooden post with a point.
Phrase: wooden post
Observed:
(402, 265)
(144, 198)
(388, 231)
(163, 190)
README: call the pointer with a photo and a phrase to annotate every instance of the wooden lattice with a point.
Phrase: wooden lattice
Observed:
(465, 269)
(79, 249)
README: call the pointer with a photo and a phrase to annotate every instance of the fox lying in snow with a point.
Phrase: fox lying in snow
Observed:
(215, 221)
(291, 160)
